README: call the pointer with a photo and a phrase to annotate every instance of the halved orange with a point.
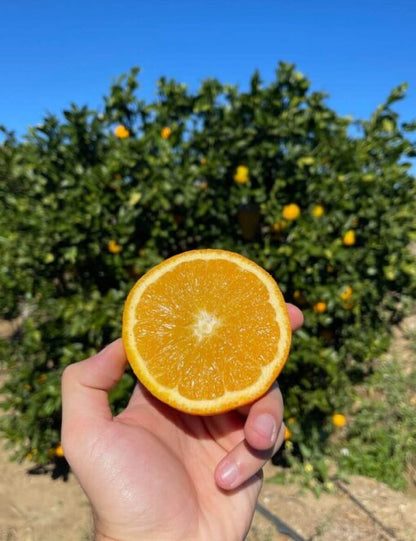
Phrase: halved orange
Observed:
(206, 331)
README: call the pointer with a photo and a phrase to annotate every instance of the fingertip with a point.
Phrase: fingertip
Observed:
(261, 432)
(114, 348)
(264, 420)
(295, 316)
(227, 474)
(241, 465)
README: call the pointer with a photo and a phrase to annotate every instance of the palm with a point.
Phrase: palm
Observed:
(155, 473)
(161, 464)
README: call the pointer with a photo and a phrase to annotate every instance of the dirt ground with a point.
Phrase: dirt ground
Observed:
(36, 507)
(363, 510)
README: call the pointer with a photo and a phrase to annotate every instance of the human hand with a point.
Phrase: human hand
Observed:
(156, 473)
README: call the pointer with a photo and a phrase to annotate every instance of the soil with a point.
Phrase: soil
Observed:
(363, 510)
(37, 506)
(34, 507)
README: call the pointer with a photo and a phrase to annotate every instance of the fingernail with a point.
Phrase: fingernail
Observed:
(229, 473)
(265, 425)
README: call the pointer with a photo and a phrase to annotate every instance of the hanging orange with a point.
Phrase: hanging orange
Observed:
(206, 331)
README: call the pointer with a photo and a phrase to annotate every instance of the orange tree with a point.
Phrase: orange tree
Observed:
(92, 199)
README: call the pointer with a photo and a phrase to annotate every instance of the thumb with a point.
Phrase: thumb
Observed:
(85, 387)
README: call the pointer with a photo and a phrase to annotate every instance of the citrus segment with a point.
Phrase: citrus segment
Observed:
(206, 331)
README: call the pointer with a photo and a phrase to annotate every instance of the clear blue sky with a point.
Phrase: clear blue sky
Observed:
(53, 53)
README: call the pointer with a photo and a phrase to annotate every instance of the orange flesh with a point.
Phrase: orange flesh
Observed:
(191, 340)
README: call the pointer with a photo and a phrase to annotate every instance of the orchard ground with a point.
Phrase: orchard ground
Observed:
(36, 507)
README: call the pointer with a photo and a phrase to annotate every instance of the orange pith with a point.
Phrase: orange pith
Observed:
(206, 331)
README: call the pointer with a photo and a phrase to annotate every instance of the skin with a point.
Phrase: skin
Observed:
(153, 472)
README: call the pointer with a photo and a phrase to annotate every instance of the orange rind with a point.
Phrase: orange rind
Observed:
(206, 331)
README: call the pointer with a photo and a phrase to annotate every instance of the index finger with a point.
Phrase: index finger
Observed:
(295, 316)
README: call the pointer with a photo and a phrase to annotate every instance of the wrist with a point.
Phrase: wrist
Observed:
(115, 535)
(98, 536)
(105, 531)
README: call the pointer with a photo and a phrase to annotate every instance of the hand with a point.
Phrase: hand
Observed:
(154, 473)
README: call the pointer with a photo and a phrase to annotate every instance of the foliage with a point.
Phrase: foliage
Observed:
(381, 441)
(92, 200)
(378, 440)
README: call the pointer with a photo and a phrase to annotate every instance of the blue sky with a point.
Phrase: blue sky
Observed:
(54, 53)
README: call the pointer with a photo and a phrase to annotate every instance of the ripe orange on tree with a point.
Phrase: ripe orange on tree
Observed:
(291, 212)
(339, 420)
(114, 247)
(318, 211)
(349, 238)
(346, 293)
(320, 307)
(121, 132)
(166, 132)
(59, 451)
(206, 331)
(241, 175)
